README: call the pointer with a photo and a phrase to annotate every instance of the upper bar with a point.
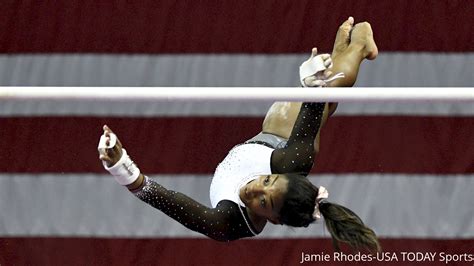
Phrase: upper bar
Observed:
(257, 94)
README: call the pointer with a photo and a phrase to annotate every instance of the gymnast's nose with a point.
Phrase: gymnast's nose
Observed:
(258, 189)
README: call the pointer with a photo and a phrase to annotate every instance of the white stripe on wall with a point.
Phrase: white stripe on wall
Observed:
(242, 70)
(424, 206)
(139, 109)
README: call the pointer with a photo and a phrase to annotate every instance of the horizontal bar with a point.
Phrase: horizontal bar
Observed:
(352, 94)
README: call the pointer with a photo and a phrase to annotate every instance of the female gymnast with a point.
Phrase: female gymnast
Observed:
(264, 179)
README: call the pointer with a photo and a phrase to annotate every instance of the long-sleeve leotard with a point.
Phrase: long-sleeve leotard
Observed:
(298, 154)
(225, 222)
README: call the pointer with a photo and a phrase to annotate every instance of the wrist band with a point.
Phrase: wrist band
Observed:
(125, 170)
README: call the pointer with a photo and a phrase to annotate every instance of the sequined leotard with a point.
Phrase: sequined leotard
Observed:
(227, 219)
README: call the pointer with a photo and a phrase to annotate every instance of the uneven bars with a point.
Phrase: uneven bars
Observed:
(156, 94)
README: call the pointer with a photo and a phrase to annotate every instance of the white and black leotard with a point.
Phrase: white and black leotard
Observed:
(227, 219)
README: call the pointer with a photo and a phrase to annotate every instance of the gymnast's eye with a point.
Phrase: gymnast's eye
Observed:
(267, 180)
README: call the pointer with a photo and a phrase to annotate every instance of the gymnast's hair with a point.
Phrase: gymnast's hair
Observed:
(343, 224)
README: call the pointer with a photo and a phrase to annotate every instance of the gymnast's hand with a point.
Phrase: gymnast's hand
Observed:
(110, 156)
(315, 72)
(319, 79)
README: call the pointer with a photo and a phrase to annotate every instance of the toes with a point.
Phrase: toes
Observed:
(350, 21)
(348, 24)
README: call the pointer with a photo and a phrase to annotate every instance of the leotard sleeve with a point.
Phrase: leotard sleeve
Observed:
(223, 223)
(297, 155)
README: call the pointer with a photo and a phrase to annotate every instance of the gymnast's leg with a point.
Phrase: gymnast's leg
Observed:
(348, 59)
(350, 49)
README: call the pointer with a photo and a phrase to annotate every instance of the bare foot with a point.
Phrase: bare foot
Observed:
(362, 33)
(343, 37)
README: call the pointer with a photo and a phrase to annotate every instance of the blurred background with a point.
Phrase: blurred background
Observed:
(406, 169)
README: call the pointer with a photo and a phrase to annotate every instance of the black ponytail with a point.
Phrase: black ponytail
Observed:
(345, 226)
(342, 223)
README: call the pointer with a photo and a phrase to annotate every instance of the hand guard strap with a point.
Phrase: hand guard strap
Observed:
(125, 170)
(312, 67)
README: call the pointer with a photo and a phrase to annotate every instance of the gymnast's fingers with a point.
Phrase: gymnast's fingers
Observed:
(105, 158)
(327, 74)
(314, 52)
(318, 83)
(325, 56)
(107, 129)
(313, 81)
(327, 60)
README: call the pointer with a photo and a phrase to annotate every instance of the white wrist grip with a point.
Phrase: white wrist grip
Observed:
(112, 141)
(314, 65)
(311, 67)
(125, 170)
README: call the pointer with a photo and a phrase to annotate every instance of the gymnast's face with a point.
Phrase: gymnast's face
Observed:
(264, 196)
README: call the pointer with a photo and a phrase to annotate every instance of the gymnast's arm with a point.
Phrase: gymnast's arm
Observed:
(297, 155)
(223, 223)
